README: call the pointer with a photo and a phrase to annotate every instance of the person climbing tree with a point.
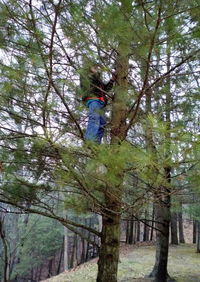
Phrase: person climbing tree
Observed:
(94, 95)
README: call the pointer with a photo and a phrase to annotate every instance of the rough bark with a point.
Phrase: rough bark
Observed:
(110, 236)
(109, 251)
(162, 217)
(174, 229)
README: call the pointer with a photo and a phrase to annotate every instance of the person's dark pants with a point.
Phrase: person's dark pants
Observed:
(96, 122)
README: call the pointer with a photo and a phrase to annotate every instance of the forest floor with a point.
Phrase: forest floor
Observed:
(137, 261)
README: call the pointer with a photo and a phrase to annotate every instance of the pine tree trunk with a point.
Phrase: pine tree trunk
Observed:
(162, 210)
(66, 266)
(152, 224)
(87, 251)
(15, 241)
(198, 237)
(131, 233)
(60, 259)
(138, 231)
(94, 248)
(135, 231)
(162, 207)
(83, 251)
(50, 268)
(110, 237)
(127, 231)
(76, 251)
(162, 218)
(6, 253)
(40, 273)
(87, 254)
(194, 231)
(146, 227)
(32, 274)
(174, 230)
(73, 251)
(109, 251)
(180, 224)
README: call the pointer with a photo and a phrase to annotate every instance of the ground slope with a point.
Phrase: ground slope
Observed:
(136, 263)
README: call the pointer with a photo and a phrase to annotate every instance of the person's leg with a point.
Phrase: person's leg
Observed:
(93, 121)
(102, 126)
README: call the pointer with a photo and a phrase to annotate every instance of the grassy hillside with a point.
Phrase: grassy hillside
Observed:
(136, 262)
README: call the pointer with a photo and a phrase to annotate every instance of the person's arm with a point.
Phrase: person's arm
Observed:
(108, 86)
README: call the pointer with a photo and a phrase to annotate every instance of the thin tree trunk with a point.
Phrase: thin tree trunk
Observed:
(174, 230)
(6, 253)
(198, 237)
(146, 227)
(39, 273)
(83, 251)
(60, 258)
(50, 268)
(77, 250)
(127, 231)
(131, 236)
(180, 225)
(87, 250)
(194, 231)
(73, 251)
(138, 231)
(65, 240)
(135, 232)
(32, 274)
(95, 250)
(15, 241)
(152, 224)
(66, 263)
(17, 259)
(87, 255)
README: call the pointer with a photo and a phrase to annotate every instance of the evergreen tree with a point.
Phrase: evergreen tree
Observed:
(44, 45)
